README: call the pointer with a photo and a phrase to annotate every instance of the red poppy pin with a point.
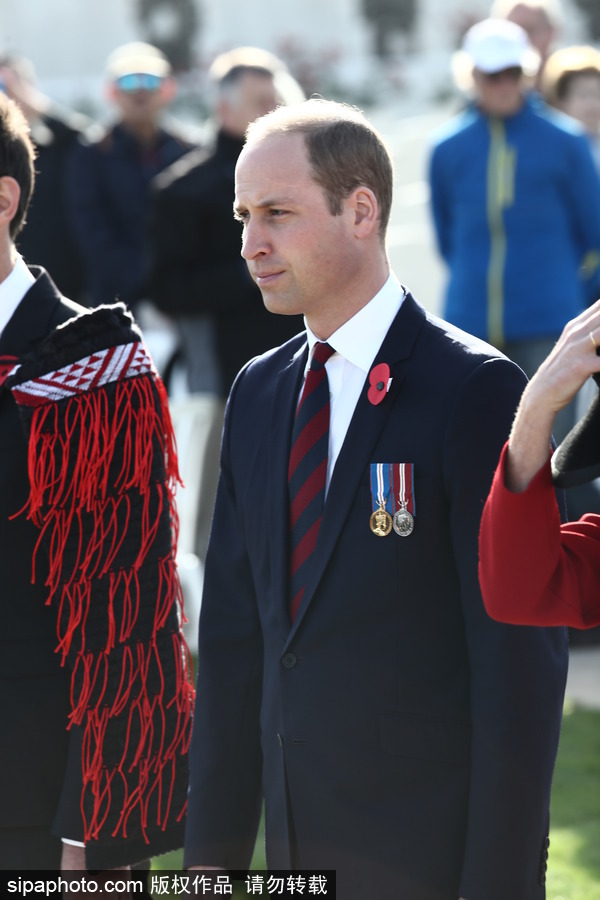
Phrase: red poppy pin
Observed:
(379, 381)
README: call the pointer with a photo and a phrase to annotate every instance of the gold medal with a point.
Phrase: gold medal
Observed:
(381, 522)
(403, 523)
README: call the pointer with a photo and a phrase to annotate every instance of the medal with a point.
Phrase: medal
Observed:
(380, 522)
(403, 521)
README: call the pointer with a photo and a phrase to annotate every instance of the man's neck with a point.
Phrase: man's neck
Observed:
(506, 113)
(336, 315)
(144, 132)
(8, 258)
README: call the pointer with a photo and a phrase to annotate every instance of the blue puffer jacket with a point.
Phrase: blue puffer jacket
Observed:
(516, 207)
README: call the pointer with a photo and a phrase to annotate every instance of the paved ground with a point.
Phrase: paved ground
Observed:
(411, 242)
(583, 682)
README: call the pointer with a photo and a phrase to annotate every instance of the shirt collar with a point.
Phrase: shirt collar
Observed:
(359, 339)
(13, 289)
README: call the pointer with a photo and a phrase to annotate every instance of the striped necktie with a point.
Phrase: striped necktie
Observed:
(307, 471)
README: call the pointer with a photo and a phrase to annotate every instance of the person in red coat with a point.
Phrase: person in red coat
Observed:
(533, 570)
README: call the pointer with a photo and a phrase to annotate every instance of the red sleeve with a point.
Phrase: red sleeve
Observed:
(532, 569)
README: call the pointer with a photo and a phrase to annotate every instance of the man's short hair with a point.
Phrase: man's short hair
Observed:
(564, 66)
(17, 156)
(229, 68)
(344, 150)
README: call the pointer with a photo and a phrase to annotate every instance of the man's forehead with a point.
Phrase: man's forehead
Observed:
(267, 190)
(277, 163)
(273, 149)
(256, 81)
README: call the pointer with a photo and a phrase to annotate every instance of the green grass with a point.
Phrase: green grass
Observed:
(574, 863)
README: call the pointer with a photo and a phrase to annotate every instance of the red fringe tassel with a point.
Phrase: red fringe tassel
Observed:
(80, 504)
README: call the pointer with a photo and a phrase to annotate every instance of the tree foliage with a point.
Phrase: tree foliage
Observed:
(171, 26)
(389, 16)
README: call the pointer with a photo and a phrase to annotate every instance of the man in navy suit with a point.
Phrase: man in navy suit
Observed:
(395, 733)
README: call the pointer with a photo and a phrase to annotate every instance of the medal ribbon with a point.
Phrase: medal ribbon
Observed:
(381, 487)
(403, 473)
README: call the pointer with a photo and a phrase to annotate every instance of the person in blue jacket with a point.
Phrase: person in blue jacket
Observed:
(516, 204)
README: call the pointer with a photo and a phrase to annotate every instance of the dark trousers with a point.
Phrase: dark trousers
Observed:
(28, 849)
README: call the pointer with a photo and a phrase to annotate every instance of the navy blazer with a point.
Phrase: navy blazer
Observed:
(396, 733)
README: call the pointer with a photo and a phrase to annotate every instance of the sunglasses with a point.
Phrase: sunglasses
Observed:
(138, 81)
(513, 72)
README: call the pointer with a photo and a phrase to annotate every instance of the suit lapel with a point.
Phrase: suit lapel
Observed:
(32, 317)
(286, 394)
(365, 428)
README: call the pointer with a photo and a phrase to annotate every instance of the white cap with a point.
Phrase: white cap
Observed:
(497, 44)
(137, 58)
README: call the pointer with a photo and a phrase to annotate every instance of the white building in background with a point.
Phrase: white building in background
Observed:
(322, 32)
(328, 41)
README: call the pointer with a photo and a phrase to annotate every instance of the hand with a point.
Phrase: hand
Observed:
(205, 869)
(570, 363)
(555, 383)
(73, 860)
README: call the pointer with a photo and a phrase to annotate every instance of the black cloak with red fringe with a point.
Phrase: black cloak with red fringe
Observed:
(103, 471)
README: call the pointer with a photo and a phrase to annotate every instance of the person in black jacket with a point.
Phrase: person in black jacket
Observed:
(198, 277)
(95, 691)
(110, 181)
(47, 238)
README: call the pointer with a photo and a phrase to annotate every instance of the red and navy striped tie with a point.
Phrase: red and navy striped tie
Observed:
(307, 471)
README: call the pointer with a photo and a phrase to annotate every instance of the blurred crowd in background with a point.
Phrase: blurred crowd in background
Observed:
(137, 206)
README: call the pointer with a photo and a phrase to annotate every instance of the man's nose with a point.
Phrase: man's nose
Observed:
(254, 241)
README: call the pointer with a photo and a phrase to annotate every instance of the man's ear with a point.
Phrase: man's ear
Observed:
(10, 194)
(365, 206)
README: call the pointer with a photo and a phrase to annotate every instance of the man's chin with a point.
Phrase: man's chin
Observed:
(278, 306)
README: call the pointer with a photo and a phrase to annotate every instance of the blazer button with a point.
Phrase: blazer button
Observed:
(289, 661)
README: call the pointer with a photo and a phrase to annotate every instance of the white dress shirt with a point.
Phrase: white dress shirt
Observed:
(356, 343)
(13, 289)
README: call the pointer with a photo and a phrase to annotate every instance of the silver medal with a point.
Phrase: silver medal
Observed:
(403, 522)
